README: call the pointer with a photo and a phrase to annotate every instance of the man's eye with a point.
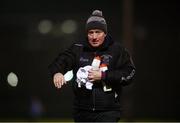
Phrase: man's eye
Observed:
(90, 32)
(98, 32)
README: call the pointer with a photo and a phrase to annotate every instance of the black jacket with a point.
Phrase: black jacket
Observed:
(120, 72)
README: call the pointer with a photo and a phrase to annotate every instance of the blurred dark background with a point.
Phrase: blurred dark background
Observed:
(32, 33)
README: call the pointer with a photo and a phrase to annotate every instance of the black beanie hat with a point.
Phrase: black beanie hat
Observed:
(96, 21)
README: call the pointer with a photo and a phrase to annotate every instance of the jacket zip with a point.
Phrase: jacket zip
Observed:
(94, 105)
(94, 93)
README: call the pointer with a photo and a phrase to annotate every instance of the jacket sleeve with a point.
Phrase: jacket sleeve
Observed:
(63, 62)
(124, 70)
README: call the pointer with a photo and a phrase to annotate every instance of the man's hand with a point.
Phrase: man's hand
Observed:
(94, 75)
(59, 80)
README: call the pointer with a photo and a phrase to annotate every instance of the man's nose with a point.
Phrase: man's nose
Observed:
(94, 36)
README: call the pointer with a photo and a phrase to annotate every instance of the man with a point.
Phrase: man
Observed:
(101, 67)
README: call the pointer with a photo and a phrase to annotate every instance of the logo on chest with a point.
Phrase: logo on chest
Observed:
(82, 59)
(106, 58)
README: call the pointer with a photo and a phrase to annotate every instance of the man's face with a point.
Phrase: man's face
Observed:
(96, 37)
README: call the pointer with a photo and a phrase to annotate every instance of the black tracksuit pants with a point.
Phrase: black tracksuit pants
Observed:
(96, 116)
